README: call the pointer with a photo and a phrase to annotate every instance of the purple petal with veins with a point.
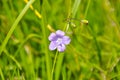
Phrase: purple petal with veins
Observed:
(53, 45)
(60, 33)
(66, 40)
(61, 48)
(52, 36)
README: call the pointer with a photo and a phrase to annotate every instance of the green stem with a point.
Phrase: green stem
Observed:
(75, 7)
(86, 10)
(96, 43)
(25, 40)
(54, 65)
(15, 25)
(45, 40)
(11, 57)
(1, 73)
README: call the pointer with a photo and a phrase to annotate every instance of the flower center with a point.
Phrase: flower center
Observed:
(59, 41)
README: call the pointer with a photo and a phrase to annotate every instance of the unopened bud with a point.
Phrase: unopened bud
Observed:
(84, 21)
(50, 28)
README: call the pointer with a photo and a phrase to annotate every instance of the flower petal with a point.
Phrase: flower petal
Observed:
(52, 36)
(61, 48)
(66, 40)
(60, 33)
(53, 45)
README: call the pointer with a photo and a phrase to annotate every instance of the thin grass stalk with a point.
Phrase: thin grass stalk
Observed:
(15, 25)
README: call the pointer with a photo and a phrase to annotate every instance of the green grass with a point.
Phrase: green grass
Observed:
(94, 51)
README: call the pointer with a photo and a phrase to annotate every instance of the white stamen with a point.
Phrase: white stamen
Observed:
(59, 41)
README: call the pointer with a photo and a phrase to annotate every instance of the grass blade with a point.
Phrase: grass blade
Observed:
(75, 7)
(15, 25)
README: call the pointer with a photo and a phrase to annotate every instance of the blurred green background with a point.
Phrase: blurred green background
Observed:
(94, 51)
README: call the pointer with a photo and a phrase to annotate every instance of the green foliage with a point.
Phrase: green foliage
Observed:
(94, 51)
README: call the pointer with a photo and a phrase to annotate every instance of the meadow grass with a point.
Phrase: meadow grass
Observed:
(94, 51)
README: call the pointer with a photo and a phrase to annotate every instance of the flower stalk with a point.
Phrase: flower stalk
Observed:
(55, 59)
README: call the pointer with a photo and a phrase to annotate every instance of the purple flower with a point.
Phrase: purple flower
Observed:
(58, 41)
